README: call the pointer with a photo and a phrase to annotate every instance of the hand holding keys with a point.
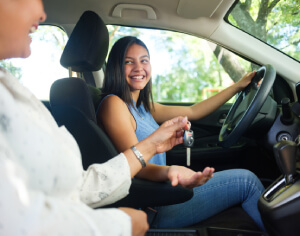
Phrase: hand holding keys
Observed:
(188, 142)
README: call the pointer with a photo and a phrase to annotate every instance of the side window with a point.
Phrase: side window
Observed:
(186, 68)
(42, 68)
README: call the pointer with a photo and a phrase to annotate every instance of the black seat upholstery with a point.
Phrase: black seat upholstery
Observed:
(72, 106)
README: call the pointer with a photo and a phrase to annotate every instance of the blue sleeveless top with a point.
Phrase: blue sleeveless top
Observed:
(145, 125)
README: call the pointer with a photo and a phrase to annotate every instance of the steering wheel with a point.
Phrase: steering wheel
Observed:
(247, 105)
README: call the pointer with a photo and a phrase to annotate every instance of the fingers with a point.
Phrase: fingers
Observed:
(252, 74)
(208, 171)
(178, 140)
(207, 174)
(169, 134)
(198, 178)
(249, 75)
(177, 125)
(179, 133)
(178, 122)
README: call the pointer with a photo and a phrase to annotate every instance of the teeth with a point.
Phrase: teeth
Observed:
(137, 77)
(32, 29)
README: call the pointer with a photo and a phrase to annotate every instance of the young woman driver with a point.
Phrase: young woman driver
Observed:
(128, 115)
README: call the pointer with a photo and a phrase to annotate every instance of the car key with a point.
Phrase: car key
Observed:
(188, 142)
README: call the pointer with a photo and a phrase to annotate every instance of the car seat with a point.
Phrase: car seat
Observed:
(72, 106)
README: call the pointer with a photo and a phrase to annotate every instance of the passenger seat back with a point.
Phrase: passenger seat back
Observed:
(72, 106)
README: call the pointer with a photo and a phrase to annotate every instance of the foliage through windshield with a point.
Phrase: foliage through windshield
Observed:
(186, 68)
(276, 22)
(42, 68)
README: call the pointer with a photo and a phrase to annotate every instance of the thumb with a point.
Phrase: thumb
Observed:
(174, 180)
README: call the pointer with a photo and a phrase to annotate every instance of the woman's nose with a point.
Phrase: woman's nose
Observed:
(138, 67)
(43, 17)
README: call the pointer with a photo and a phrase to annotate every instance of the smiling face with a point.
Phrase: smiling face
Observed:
(18, 19)
(137, 67)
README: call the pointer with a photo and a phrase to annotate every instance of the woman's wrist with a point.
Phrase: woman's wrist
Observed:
(236, 87)
(139, 156)
(146, 148)
(167, 172)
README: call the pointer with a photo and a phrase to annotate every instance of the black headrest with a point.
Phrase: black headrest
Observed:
(87, 46)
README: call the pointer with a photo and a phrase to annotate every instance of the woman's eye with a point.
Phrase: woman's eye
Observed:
(145, 61)
(128, 62)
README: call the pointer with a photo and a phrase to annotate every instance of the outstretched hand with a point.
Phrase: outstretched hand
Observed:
(189, 178)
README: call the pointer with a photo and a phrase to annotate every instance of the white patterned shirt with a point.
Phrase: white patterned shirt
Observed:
(44, 189)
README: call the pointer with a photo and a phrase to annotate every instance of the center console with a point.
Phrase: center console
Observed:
(279, 205)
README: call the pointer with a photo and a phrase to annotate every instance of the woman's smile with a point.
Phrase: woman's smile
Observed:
(137, 77)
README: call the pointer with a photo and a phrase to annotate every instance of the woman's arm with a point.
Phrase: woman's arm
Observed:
(117, 122)
(199, 110)
(121, 130)
(34, 212)
(163, 139)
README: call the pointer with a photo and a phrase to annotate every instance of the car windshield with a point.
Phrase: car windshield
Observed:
(275, 22)
(186, 68)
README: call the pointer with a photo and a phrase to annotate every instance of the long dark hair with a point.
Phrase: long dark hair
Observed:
(114, 79)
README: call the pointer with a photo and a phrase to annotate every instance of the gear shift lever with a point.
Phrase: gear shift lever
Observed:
(285, 154)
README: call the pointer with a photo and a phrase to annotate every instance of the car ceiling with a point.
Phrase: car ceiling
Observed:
(178, 15)
(202, 18)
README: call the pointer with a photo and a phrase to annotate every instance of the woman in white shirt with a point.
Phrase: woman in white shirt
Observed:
(44, 189)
